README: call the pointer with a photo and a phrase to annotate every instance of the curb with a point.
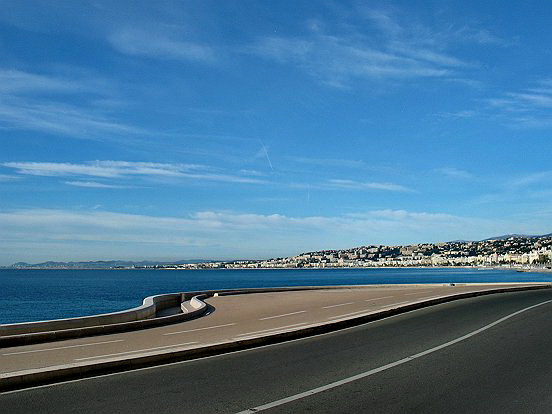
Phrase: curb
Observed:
(43, 376)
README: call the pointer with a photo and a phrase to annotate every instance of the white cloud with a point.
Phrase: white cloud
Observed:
(125, 169)
(407, 216)
(61, 119)
(357, 185)
(332, 162)
(139, 43)
(336, 60)
(454, 173)
(464, 114)
(96, 169)
(387, 45)
(481, 36)
(254, 173)
(64, 234)
(7, 177)
(530, 107)
(224, 178)
(16, 81)
(26, 102)
(534, 178)
(92, 184)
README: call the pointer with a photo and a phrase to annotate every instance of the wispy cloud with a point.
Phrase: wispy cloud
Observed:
(391, 21)
(530, 107)
(125, 169)
(534, 178)
(332, 162)
(464, 114)
(336, 60)
(106, 169)
(225, 234)
(16, 81)
(154, 45)
(396, 49)
(39, 102)
(61, 119)
(92, 184)
(6, 177)
(454, 173)
(358, 185)
(254, 173)
(480, 36)
(404, 215)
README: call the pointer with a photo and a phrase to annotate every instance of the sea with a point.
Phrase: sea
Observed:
(33, 295)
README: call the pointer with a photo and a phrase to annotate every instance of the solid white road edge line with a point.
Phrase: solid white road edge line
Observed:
(384, 367)
(136, 351)
(417, 293)
(281, 316)
(351, 314)
(199, 329)
(62, 347)
(271, 329)
(398, 303)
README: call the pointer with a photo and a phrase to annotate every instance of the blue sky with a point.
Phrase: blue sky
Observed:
(252, 129)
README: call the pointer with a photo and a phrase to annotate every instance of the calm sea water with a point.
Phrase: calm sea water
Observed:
(31, 295)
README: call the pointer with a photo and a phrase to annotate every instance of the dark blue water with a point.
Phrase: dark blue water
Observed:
(31, 295)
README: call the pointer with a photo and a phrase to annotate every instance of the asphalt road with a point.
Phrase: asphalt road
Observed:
(232, 318)
(505, 368)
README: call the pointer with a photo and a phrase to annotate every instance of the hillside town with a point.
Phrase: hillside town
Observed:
(505, 251)
(513, 251)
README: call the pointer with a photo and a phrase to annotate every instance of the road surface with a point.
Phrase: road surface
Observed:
(233, 318)
(490, 354)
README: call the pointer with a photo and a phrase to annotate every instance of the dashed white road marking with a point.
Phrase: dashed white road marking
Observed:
(200, 329)
(136, 351)
(281, 316)
(339, 304)
(62, 347)
(373, 300)
(417, 293)
(365, 374)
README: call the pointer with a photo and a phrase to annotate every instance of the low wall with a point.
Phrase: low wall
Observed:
(149, 308)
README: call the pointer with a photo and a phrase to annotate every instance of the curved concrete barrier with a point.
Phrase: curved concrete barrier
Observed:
(195, 303)
(150, 306)
(132, 319)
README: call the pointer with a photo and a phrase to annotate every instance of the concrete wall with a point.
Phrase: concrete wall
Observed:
(150, 306)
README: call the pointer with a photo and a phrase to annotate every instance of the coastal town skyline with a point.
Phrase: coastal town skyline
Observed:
(182, 130)
(524, 252)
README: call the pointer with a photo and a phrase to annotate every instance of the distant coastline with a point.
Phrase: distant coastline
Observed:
(511, 268)
(513, 252)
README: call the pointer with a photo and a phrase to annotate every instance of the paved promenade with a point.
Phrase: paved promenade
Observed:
(232, 318)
